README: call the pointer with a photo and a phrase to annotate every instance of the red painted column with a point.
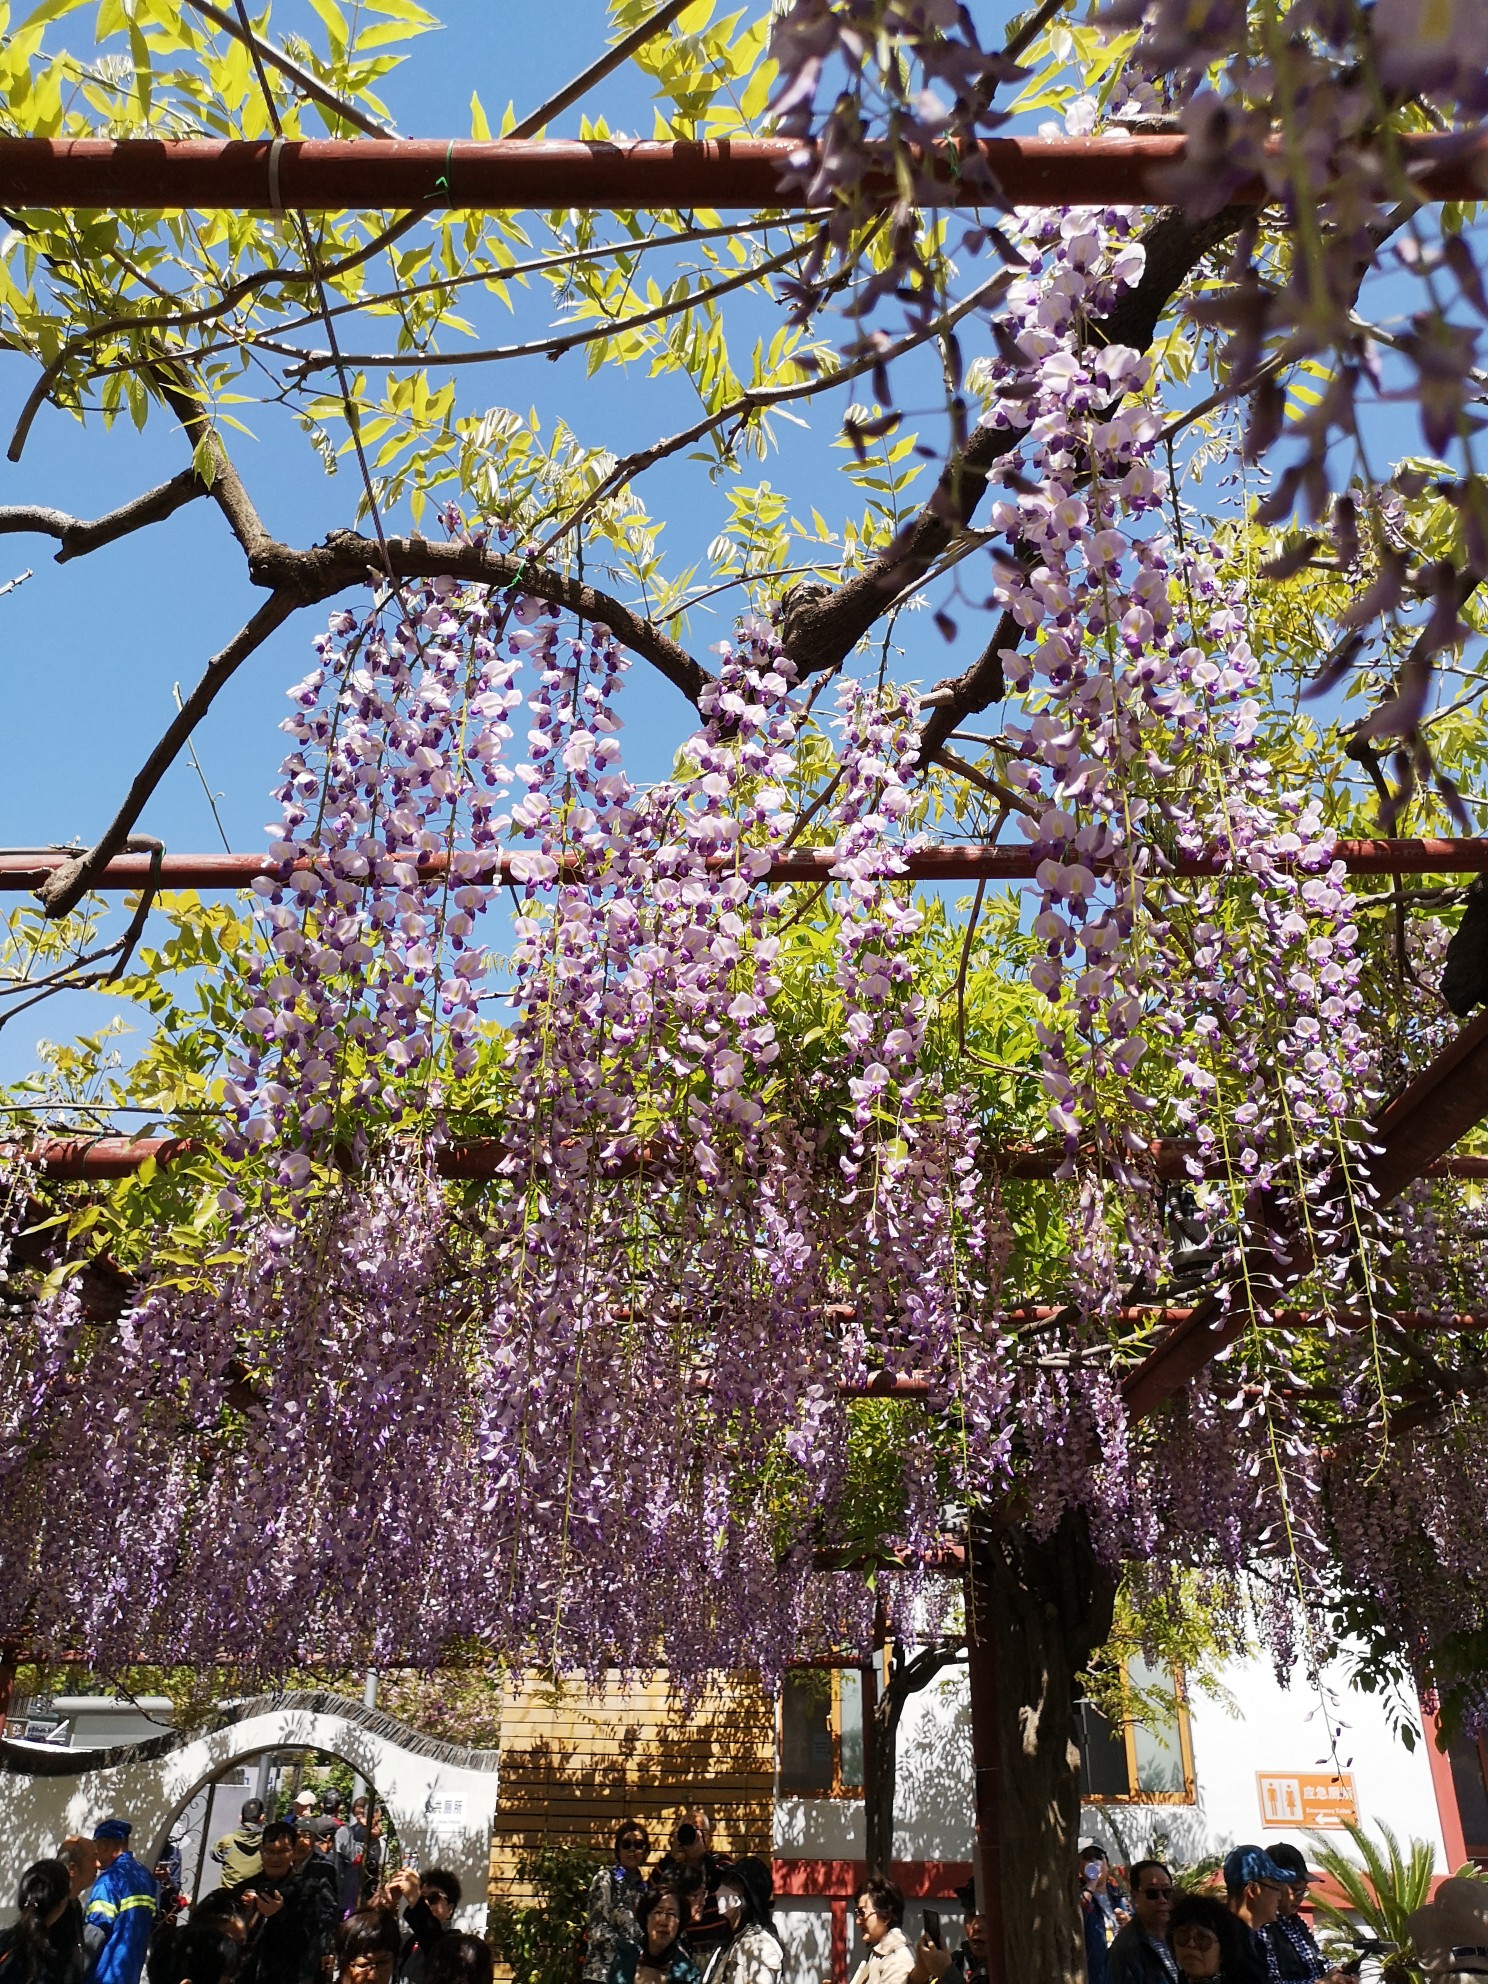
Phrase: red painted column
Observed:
(10, 1660)
(839, 1937)
(986, 1758)
(1446, 1792)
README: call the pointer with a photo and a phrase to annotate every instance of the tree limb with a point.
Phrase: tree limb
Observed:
(300, 578)
(65, 888)
(760, 399)
(346, 557)
(77, 538)
(225, 485)
(1009, 800)
(818, 632)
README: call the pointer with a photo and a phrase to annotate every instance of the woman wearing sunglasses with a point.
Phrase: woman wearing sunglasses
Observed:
(1210, 1945)
(613, 1896)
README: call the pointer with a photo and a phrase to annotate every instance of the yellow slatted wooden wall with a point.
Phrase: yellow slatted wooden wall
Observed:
(575, 1762)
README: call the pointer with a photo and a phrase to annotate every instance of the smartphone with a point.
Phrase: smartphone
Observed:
(932, 1927)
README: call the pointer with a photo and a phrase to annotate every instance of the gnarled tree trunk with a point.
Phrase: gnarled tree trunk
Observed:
(1036, 1612)
(881, 1745)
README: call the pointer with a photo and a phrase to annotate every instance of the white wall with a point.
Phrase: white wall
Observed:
(1290, 1728)
(932, 1815)
(805, 1930)
(442, 1801)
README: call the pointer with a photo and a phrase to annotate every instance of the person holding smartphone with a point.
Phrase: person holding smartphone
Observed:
(291, 1915)
(933, 1961)
(1298, 1960)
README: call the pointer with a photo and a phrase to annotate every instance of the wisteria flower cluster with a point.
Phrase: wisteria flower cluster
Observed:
(633, 1345)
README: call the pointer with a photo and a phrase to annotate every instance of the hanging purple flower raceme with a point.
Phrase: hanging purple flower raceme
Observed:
(399, 736)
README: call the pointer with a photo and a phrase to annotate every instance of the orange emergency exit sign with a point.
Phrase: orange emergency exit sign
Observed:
(1307, 1798)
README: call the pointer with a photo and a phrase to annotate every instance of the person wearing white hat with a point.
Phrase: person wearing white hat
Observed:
(1451, 1932)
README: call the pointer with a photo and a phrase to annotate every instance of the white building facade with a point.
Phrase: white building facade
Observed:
(1250, 1760)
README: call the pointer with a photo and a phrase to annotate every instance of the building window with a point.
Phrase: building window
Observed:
(821, 1733)
(1469, 1761)
(1148, 1760)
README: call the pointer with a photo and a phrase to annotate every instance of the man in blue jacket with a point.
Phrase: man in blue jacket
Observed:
(120, 1910)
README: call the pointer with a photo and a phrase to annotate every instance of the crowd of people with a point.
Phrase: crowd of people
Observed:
(307, 1899)
(698, 1918)
(695, 1916)
(1156, 1933)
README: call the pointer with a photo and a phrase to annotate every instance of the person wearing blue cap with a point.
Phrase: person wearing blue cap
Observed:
(1254, 1888)
(120, 1911)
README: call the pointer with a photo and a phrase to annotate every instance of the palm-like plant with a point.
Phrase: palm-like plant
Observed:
(1383, 1888)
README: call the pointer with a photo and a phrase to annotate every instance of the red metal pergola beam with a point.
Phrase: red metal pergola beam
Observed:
(971, 862)
(345, 174)
(77, 1157)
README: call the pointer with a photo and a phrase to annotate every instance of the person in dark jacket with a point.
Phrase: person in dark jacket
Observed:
(1211, 1945)
(1140, 1953)
(429, 1901)
(1254, 1889)
(225, 1912)
(27, 1953)
(292, 1914)
(315, 1859)
(1097, 1911)
(1294, 1948)
(661, 1956)
(460, 1960)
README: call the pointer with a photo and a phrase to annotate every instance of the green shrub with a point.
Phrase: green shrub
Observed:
(543, 1941)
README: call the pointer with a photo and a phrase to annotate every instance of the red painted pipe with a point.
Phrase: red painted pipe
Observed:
(477, 1157)
(971, 862)
(521, 174)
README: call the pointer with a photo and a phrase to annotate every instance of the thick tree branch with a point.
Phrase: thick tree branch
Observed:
(225, 485)
(346, 558)
(77, 538)
(819, 633)
(300, 578)
(65, 889)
